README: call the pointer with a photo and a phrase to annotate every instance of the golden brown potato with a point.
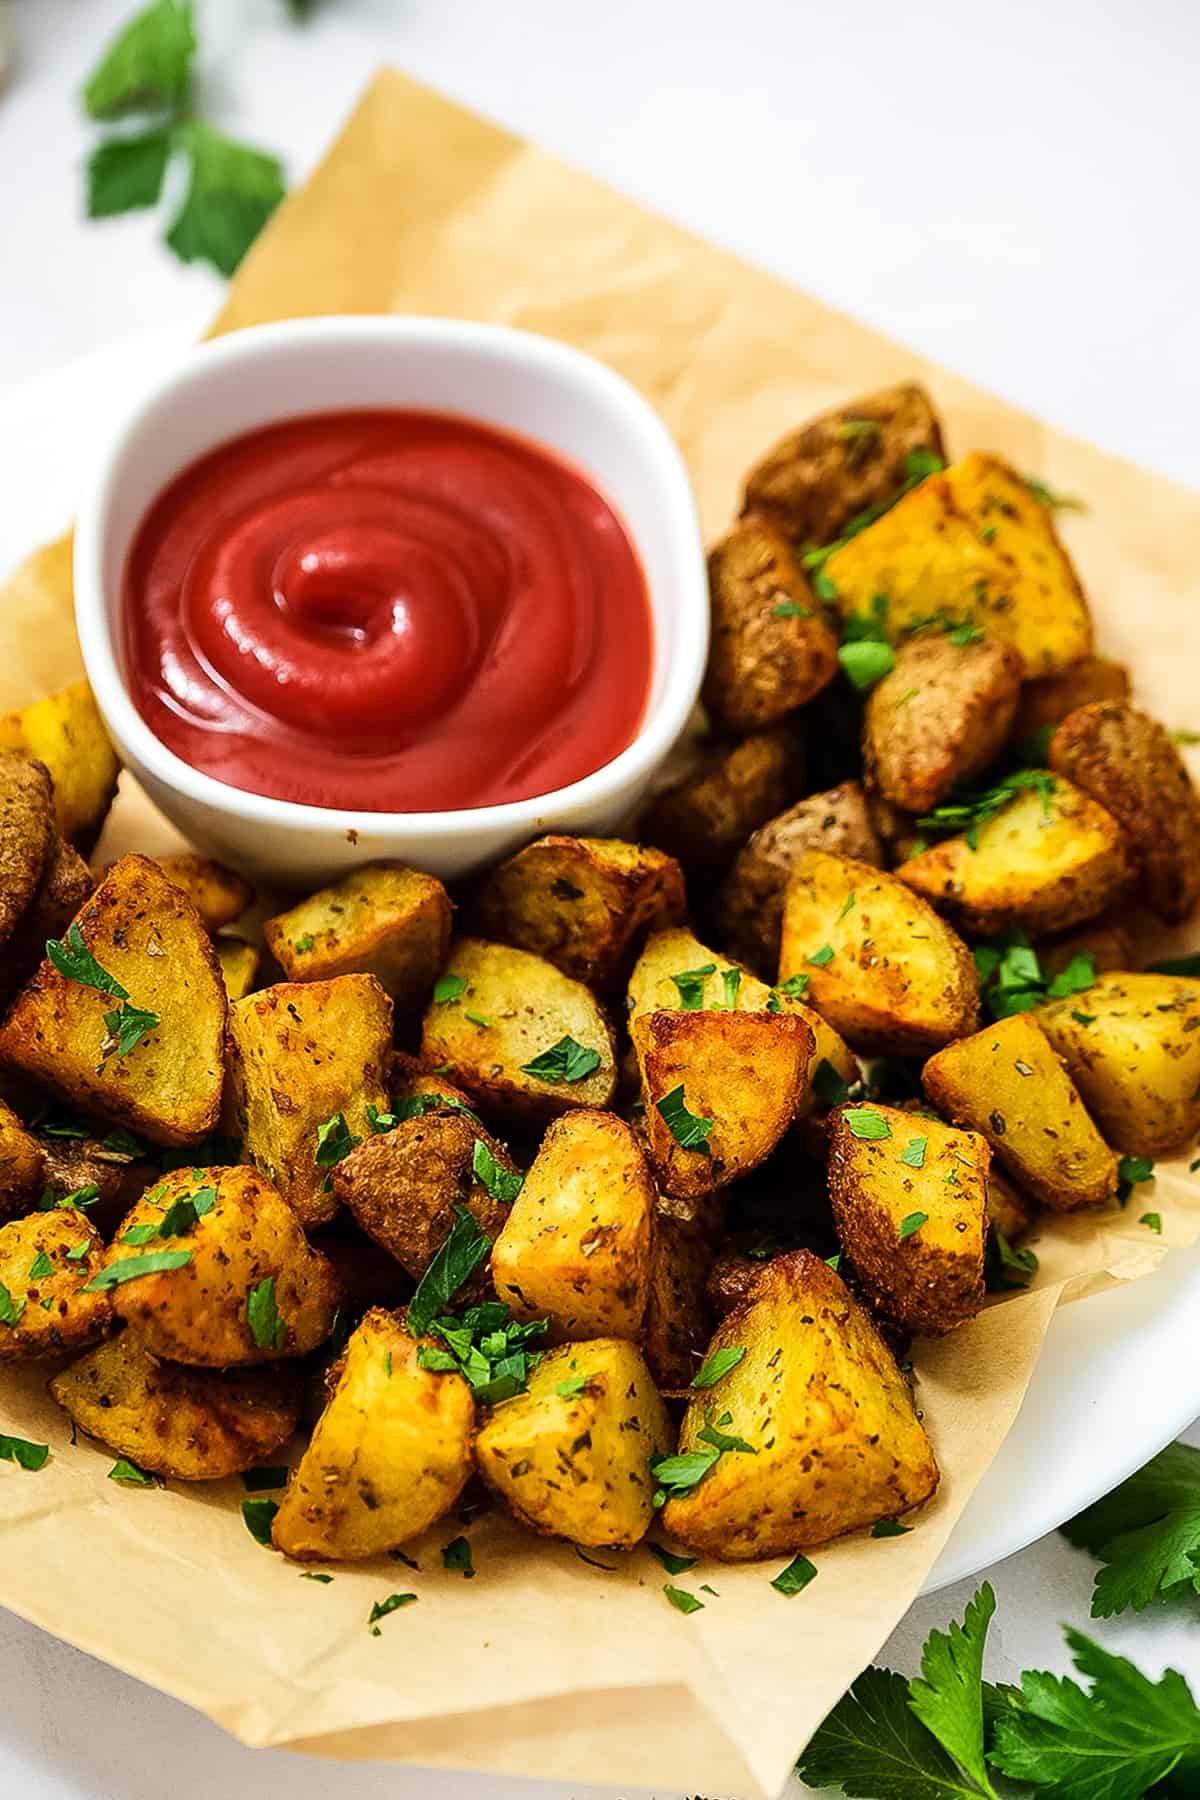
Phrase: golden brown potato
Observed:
(110, 1173)
(65, 885)
(845, 461)
(66, 733)
(22, 1166)
(1046, 703)
(750, 909)
(26, 834)
(577, 1246)
(46, 1262)
(1049, 859)
(973, 546)
(383, 920)
(239, 1283)
(571, 1455)
(733, 1277)
(818, 1398)
(909, 1200)
(219, 894)
(1008, 1083)
(886, 972)
(239, 965)
(771, 649)
(390, 1455)
(139, 934)
(188, 1424)
(1126, 761)
(1107, 941)
(306, 1060)
(939, 716)
(705, 818)
(677, 1322)
(582, 903)
(518, 1034)
(1131, 1044)
(1008, 1209)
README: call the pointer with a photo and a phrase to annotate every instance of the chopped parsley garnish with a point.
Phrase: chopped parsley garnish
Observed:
(1052, 501)
(502, 1184)
(885, 1528)
(126, 1025)
(316, 1575)
(10, 1309)
(572, 1387)
(673, 1564)
(913, 1153)
(795, 1578)
(790, 609)
(487, 1347)
(866, 1122)
(1011, 978)
(480, 1019)
(794, 987)
(847, 905)
(382, 1608)
(968, 809)
(866, 662)
(388, 1121)
(456, 1555)
(179, 1219)
(689, 1130)
(259, 1516)
(820, 958)
(417, 1105)
(564, 1061)
(40, 1267)
(453, 1265)
(1131, 1171)
(335, 1141)
(731, 981)
(131, 1268)
(1152, 1221)
(917, 465)
(681, 1600)
(679, 1474)
(1006, 1269)
(912, 1224)
(448, 989)
(267, 1325)
(25, 1454)
(77, 1200)
(713, 1432)
(830, 1088)
(130, 1475)
(717, 1366)
(690, 983)
(304, 944)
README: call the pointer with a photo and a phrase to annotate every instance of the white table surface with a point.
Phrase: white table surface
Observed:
(1008, 188)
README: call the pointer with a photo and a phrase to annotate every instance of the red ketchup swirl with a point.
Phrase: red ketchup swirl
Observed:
(388, 612)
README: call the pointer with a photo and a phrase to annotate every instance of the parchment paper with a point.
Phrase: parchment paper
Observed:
(543, 1664)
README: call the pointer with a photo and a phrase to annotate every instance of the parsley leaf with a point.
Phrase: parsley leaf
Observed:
(1152, 1221)
(948, 1699)
(564, 1061)
(415, 1107)
(790, 609)
(148, 64)
(912, 1224)
(794, 987)
(1131, 1172)
(572, 1387)
(488, 1348)
(830, 1088)
(866, 1123)
(130, 1475)
(130, 1268)
(717, 1366)
(258, 1516)
(681, 1600)
(673, 1564)
(887, 1528)
(268, 1328)
(1006, 1269)
(1052, 501)
(449, 989)
(75, 962)
(382, 1608)
(457, 1555)
(40, 1267)
(731, 981)
(679, 1474)
(820, 957)
(866, 663)
(689, 1130)
(126, 173)
(795, 1578)
(25, 1454)
(453, 1265)
(872, 1744)
(690, 983)
(233, 191)
(713, 1433)
(179, 1219)
(502, 1184)
(335, 1141)
(127, 1026)
(967, 809)
(913, 1153)
(1146, 1533)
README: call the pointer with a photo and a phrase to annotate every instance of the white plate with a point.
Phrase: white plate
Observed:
(1118, 1378)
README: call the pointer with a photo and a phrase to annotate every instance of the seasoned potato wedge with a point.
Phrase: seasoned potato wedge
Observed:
(146, 937)
(1009, 1210)
(22, 1166)
(239, 965)
(383, 920)
(886, 972)
(46, 1262)
(677, 1322)
(26, 833)
(820, 1401)
(771, 649)
(302, 1056)
(1131, 1044)
(582, 903)
(1051, 858)
(65, 731)
(1126, 761)
(910, 1203)
(1008, 1083)
(817, 478)
(704, 819)
(65, 885)
(577, 1464)
(578, 1244)
(972, 545)
(518, 1034)
(1047, 702)
(188, 1424)
(940, 715)
(1107, 941)
(219, 894)
(241, 1283)
(390, 1455)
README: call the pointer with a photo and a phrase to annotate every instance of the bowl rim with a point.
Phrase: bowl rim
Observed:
(682, 674)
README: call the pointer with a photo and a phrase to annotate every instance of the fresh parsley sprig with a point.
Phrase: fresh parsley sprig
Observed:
(967, 809)
(1146, 1533)
(1011, 979)
(488, 1348)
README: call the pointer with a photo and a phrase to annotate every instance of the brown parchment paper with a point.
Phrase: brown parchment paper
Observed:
(544, 1664)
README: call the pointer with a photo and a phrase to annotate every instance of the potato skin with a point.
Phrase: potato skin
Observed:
(65, 885)
(1048, 701)
(74, 1317)
(1127, 763)
(1137, 1060)
(66, 733)
(22, 1166)
(704, 819)
(678, 1319)
(26, 834)
(771, 649)
(940, 715)
(383, 919)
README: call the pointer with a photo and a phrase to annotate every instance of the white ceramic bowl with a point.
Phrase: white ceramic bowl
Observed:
(512, 379)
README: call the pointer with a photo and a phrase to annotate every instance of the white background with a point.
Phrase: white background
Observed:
(1011, 188)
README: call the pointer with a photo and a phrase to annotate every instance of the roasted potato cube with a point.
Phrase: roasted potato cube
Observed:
(390, 1455)
(972, 546)
(65, 885)
(1049, 859)
(188, 1424)
(1047, 702)
(240, 1283)
(219, 894)
(771, 648)
(582, 903)
(571, 1455)
(577, 1246)
(750, 909)
(732, 1277)
(140, 934)
(1127, 763)
(304, 1057)
(940, 715)
(910, 1204)
(66, 733)
(845, 461)
(382, 920)
(46, 1263)
(26, 833)
(22, 1166)
(886, 972)
(239, 965)
(705, 818)
(1131, 1044)
(518, 1034)
(104, 1172)
(1008, 1083)
(819, 1399)
(678, 1319)
(1107, 941)
(1008, 1209)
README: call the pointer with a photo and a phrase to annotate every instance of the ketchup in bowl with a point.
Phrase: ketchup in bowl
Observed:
(389, 611)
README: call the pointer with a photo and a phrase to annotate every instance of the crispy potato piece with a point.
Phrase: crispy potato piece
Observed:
(219, 894)
(65, 885)
(22, 1166)
(147, 936)
(383, 920)
(771, 648)
(239, 965)
(1051, 858)
(111, 1178)
(578, 1244)
(1131, 1044)
(1047, 702)
(1107, 941)
(513, 1009)
(897, 981)
(1126, 761)
(390, 1455)
(187, 1424)
(46, 1262)
(911, 1214)
(1008, 1209)
(300, 1055)
(704, 819)
(750, 909)
(972, 545)
(214, 1310)
(939, 716)
(577, 1465)
(26, 834)
(582, 903)
(814, 480)
(732, 1278)
(1008, 1083)
(677, 1322)
(66, 733)
(819, 1398)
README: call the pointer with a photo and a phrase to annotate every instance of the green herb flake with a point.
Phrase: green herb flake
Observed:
(480, 1019)
(912, 1224)
(566, 1061)
(794, 987)
(268, 1328)
(502, 1184)
(866, 662)
(382, 1608)
(449, 989)
(913, 1154)
(460, 1255)
(690, 984)
(40, 1267)
(335, 1141)
(847, 905)
(795, 1578)
(25, 1454)
(1131, 1172)
(125, 174)
(232, 191)
(714, 1433)
(834, 1262)
(75, 962)
(885, 1528)
(820, 958)
(731, 981)
(681, 1600)
(132, 1268)
(1152, 1221)
(147, 66)
(1051, 500)
(690, 1131)
(259, 1516)
(867, 1123)
(718, 1365)
(126, 1028)
(316, 1575)
(456, 1556)
(129, 1475)
(679, 1474)
(304, 944)
(790, 609)
(671, 1562)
